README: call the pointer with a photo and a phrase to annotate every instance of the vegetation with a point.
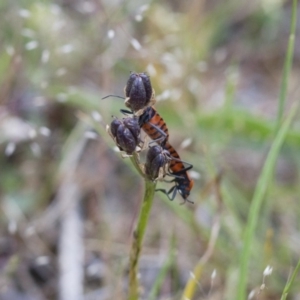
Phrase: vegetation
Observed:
(225, 75)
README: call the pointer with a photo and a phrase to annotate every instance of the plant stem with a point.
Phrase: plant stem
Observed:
(158, 283)
(258, 197)
(287, 66)
(138, 236)
(290, 282)
(135, 161)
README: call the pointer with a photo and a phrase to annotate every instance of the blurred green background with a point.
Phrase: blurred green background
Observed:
(216, 68)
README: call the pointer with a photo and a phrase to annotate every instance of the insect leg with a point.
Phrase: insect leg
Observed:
(160, 139)
(126, 112)
(172, 190)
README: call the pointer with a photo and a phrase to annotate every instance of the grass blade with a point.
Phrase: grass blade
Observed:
(163, 272)
(258, 197)
(287, 66)
(290, 282)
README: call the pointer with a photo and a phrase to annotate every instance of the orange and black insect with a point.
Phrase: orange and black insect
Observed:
(154, 125)
(183, 185)
(158, 165)
(140, 98)
(183, 182)
(126, 133)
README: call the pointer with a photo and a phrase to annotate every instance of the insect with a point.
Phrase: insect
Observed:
(126, 133)
(140, 100)
(154, 125)
(183, 183)
(156, 166)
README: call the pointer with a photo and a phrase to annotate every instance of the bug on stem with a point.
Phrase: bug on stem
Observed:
(140, 100)
(160, 163)
(183, 183)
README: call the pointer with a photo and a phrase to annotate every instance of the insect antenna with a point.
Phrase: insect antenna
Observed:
(112, 96)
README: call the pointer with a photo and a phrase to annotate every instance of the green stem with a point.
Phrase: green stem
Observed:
(138, 239)
(287, 66)
(135, 161)
(158, 283)
(268, 168)
(290, 282)
(258, 197)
